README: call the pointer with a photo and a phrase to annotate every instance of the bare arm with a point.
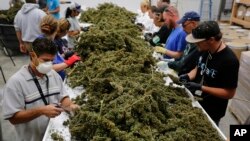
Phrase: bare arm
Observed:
(59, 67)
(68, 104)
(192, 73)
(54, 11)
(19, 37)
(66, 101)
(73, 33)
(173, 54)
(21, 43)
(224, 93)
(30, 114)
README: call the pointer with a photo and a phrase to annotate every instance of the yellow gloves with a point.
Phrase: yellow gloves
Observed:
(160, 50)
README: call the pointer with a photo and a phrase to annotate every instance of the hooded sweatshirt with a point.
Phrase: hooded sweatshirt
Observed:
(27, 21)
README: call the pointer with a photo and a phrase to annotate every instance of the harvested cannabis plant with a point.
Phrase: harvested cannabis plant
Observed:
(127, 98)
(8, 16)
(56, 137)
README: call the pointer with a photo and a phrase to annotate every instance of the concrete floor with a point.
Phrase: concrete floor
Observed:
(8, 132)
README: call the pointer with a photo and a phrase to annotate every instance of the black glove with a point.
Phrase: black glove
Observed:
(184, 78)
(172, 65)
(148, 36)
(192, 86)
(140, 25)
(133, 19)
(68, 54)
(85, 29)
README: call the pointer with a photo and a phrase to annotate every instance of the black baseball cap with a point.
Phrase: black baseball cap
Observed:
(203, 31)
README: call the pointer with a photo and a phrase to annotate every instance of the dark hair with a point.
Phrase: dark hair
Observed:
(68, 12)
(218, 37)
(153, 8)
(43, 45)
(30, 1)
(167, 1)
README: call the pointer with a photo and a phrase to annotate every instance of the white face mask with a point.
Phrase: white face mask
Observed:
(45, 67)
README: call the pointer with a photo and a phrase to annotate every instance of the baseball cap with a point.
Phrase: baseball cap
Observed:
(189, 16)
(203, 31)
(76, 6)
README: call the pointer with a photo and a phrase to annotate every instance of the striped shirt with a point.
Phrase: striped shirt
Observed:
(21, 93)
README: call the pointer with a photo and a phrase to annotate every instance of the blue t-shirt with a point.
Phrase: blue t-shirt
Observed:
(61, 45)
(52, 5)
(176, 41)
(58, 60)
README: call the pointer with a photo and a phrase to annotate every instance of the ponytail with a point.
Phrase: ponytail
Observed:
(68, 13)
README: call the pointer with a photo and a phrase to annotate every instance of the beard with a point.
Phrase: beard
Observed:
(171, 24)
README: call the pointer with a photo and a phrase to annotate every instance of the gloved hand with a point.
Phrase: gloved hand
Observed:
(148, 36)
(184, 78)
(72, 60)
(85, 29)
(160, 50)
(141, 26)
(68, 54)
(172, 65)
(192, 86)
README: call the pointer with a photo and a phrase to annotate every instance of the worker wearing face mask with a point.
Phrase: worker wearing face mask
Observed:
(32, 95)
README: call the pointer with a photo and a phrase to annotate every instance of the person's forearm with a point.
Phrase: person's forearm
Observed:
(219, 92)
(26, 115)
(19, 37)
(192, 74)
(66, 102)
(55, 11)
(73, 33)
(173, 54)
(59, 67)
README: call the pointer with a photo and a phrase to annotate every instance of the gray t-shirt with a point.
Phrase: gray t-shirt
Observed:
(21, 93)
(74, 25)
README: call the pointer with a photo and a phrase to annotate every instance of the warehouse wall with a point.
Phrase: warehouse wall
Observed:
(195, 5)
(4, 4)
(132, 5)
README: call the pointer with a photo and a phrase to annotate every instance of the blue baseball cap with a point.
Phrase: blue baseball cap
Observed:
(189, 16)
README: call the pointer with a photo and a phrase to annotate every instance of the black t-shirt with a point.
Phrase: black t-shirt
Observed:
(163, 34)
(188, 61)
(221, 71)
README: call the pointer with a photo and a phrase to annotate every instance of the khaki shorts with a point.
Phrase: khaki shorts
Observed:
(28, 46)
